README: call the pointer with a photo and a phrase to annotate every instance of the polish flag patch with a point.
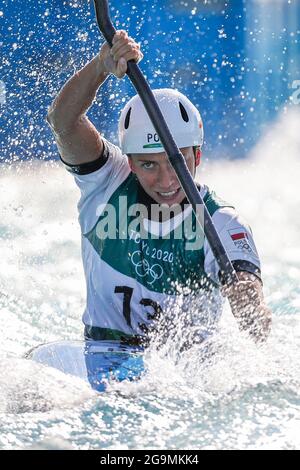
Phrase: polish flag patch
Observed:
(240, 240)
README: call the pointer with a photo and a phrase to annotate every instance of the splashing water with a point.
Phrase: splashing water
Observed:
(243, 397)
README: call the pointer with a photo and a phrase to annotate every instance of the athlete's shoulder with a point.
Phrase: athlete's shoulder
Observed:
(223, 213)
(112, 149)
(215, 203)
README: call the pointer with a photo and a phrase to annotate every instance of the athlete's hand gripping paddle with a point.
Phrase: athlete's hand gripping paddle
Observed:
(176, 158)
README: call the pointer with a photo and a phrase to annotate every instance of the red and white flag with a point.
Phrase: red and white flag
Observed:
(240, 239)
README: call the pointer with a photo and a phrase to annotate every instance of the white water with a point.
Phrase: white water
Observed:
(247, 398)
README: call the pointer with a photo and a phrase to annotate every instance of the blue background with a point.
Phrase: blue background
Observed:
(235, 60)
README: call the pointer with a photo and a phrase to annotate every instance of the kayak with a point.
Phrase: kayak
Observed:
(96, 362)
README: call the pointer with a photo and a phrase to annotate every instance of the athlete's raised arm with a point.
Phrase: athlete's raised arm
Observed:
(77, 138)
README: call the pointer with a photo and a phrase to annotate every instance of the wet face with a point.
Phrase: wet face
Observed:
(157, 176)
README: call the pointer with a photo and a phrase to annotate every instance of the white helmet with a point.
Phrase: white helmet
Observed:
(136, 131)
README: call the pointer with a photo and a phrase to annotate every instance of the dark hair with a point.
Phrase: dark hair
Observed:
(195, 148)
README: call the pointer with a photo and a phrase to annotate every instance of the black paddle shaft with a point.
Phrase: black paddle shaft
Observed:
(228, 274)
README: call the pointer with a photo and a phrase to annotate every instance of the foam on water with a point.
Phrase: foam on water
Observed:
(28, 387)
(244, 396)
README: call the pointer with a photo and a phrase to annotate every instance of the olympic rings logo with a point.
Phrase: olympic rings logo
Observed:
(243, 245)
(143, 268)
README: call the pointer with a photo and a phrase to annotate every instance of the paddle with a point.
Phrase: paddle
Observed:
(228, 274)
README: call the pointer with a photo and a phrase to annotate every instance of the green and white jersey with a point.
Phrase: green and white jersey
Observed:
(136, 271)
